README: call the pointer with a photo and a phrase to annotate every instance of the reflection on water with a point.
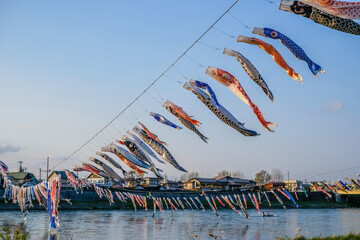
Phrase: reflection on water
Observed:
(118, 224)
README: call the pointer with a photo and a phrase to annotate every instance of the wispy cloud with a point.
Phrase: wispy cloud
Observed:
(334, 106)
(5, 148)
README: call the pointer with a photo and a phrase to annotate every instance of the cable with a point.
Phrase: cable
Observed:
(194, 61)
(148, 87)
(158, 93)
(335, 171)
(224, 32)
(180, 72)
(205, 44)
(128, 120)
(153, 97)
(173, 79)
(134, 115)
(239, 20)
(142, 106)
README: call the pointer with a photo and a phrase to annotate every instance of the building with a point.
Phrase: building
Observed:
(131, 183)
(292, 184)
(274, 185)
(172, 185)
(148, 182)
(144, 183)
(217, 183)
(99, 180)
(64, 179)
(21, 178)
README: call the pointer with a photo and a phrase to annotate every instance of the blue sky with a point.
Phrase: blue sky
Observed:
(66, 69)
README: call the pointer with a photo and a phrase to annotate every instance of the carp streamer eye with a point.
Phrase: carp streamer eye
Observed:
(325, 2)
(274, 34)
(226, 76)
(299, 10)
(300, 4)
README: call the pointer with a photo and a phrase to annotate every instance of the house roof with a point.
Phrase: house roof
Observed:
(21, 176)
(93, 175)
(236, 181)
(222, 180)
(62, 173)
(206, 180)
(221, 177)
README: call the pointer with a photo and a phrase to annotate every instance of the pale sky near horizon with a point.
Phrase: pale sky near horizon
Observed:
(68, 68)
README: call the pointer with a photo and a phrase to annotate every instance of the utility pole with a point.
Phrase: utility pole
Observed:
(20, 166)
(288, 176)
(47, 168)
(40, 174)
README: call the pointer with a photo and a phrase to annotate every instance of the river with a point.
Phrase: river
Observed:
(117, 224)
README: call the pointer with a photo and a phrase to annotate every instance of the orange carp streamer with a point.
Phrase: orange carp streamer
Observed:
(234, 85)
(131, 165)
(274, 53)
(183, 114)
(152, 135)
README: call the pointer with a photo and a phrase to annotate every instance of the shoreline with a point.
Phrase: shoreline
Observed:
(89, 200)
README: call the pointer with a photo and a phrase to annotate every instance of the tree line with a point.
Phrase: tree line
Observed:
(261, 177)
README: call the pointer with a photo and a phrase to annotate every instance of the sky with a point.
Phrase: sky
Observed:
(67, 69)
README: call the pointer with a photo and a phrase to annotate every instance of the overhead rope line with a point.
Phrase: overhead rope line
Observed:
(148, 87)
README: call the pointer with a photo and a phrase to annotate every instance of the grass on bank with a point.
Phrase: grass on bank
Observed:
(350, 236)
(16, 235)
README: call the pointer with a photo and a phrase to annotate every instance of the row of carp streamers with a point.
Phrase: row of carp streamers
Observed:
(50, 199)
(190, 202)
(142, 147)
(46, 193)
(340, 20)
(333, 14)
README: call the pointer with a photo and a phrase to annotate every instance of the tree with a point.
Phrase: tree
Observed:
(131, 176)
(186, 176)
(238, 174)
(277, 175)
(235, 174)
(262, 177)
(224, 173)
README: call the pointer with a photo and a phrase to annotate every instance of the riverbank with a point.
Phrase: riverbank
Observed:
(89, 200)
(350, 236)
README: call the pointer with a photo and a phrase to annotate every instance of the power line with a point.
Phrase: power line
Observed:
(335, 171)
(148, 87)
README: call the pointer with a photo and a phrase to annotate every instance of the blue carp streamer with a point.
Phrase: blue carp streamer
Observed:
(295, 49)
(163, 120)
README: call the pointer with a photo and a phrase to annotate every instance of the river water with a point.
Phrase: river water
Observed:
(117, 224)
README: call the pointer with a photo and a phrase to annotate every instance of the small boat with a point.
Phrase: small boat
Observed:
(267, 214)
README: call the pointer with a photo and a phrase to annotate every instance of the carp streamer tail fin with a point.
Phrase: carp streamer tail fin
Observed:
(315, 69)
(261, 118)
